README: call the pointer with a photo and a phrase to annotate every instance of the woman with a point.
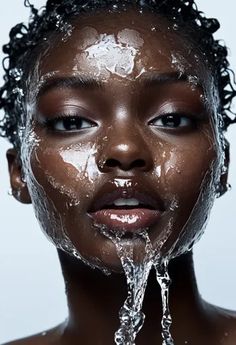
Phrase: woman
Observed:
(116, 111)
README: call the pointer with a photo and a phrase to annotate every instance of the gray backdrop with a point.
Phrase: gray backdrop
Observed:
(32, 292)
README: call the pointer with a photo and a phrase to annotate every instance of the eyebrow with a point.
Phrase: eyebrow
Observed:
(87, 82)
(72, 82)
(155, 79)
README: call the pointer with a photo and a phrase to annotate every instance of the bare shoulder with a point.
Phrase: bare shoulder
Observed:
(229, 321)
(223, 323)
(49, 337)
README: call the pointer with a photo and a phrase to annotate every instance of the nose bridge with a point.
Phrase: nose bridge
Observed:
(126, 148)
(126, 133)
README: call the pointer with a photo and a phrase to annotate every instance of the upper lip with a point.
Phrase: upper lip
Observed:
(140, 191)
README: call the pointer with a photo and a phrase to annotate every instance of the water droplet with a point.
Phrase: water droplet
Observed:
(17, 91)
(67, 29)
(16, 73)
(175, 26)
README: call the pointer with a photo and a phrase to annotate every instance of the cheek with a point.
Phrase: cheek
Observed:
(184, 172)
(61, 183)
(66, 174)
(181, 165)
(188, 177)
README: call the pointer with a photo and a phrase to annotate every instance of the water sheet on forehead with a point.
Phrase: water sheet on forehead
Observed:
(115, 54)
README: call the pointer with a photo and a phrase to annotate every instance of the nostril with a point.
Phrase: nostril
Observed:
(138, 163)
(112, 163)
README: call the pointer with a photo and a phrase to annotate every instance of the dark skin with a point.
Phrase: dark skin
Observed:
(71, 166)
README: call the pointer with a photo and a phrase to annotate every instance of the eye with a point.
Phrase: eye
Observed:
(69, 123)
(173, 121)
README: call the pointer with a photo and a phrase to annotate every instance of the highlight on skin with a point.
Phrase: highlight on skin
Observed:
(82, 172)
(24, 38)
(56, 15)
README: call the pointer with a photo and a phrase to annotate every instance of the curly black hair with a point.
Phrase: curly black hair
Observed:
(52, 17)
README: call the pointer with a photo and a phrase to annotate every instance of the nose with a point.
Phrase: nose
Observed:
(125, 150)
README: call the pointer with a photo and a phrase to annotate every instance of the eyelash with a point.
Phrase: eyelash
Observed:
(67, 121)
(175, 117)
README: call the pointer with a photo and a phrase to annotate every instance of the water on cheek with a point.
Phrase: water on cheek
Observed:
(196, 223)
(49, 216)
(82, 159)
(166, 167)
(49, 221)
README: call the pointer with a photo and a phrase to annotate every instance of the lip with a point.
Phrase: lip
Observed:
(126, 219)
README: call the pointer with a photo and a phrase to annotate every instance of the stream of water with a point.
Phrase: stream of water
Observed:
(131, 315)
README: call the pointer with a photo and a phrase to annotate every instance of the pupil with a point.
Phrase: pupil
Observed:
(171, 121)
(72, 123)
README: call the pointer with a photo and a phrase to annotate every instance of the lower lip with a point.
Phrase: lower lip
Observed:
(123, 220)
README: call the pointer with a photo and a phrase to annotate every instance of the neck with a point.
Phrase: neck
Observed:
(94, 301)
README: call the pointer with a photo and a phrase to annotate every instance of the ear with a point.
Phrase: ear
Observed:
(19, 187)
(224, 186)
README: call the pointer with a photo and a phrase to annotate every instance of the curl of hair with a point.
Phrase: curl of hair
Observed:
(52, 17)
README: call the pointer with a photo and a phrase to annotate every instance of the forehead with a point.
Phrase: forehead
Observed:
(122, 46)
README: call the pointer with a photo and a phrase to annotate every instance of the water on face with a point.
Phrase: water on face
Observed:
(101, 53)
(131, 315)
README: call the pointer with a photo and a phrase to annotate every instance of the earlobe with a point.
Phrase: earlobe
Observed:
(19, 187)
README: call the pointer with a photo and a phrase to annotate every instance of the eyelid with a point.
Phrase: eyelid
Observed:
(185, 122)
(174, 113)
(51, 122)
(63, 108)
(63, 116)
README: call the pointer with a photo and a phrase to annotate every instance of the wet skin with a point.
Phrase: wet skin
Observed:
(145, 127)
(125, 139)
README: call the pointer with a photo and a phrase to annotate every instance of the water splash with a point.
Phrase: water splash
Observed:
(131, 315)
(164, 281)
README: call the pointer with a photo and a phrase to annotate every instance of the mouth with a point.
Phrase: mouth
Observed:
(126, 210)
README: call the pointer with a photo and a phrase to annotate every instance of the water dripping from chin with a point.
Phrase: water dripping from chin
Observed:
(164, 282)
(137, 272)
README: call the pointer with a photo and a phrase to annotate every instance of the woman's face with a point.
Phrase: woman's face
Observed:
(121, 136)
